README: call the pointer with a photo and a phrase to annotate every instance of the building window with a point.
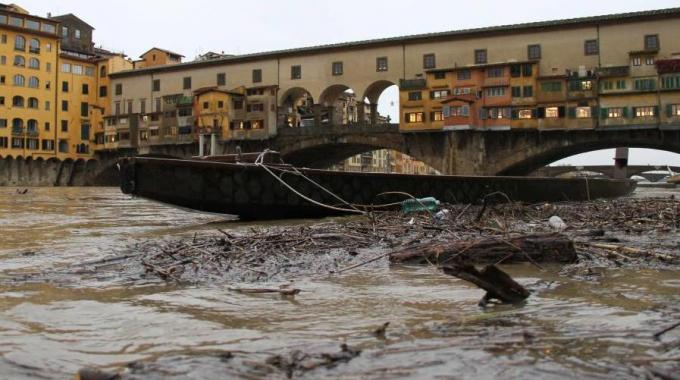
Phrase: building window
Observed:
(64, 125)
(534, 52)
(415, 95)
(47, 126)
(436, 116)
(18, 101)
(670, 82)
(19, 80)
(528, 91)
(499, 113)
(516, 92)
(3, 60)
(64, 105)
(64, 86)
(186, 83)
(102, 91)
(591, 47)
(47, 105)
(440, 75)
(652, 42)
(142, 106)
(34, 63)
(119, 89)
(84, 109)
(673, 110)
(636, 61)
(34, 46)
(117, 108)
(527, 69)
(525, 114)
(206, 105)
(156, 85)
(649, 61)
(64, 31)
(462, 91)
(220, 104)
(552, 112)
(621, 84)
(414, 117)
(85, 89)
(221, 79)
(439, 94)
(581, 85)
(19, 43)
(257, 75)
(33, 103)
(615, 113)
(33, 82)
(495, 72)
(464, 75)
(459, 111)
(336, 68)
(130, 104)
(2, 100)
(238, 104)
(480, 56)
(255, 107)
(77, 69)
(645, 84)
(19, 61)
(516, 71)
(583, 112)
(551, 86)
(645, 111)
(296, 72)
(381, 64)
(495, 91)
(48, 67)
(157, 105)
(429, 61)
(76, 33)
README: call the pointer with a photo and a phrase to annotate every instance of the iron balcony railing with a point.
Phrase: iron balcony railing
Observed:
(412, 84)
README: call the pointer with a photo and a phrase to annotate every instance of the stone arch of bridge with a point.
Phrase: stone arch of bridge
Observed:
(523, 164)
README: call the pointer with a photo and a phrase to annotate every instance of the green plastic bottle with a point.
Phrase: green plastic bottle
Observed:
(422, 204)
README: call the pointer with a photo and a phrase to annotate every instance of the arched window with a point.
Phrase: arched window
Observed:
(20, 43)
(19, 61)
(33, 103)
(19, 80)
(35, 46)
(102, 72)
(17, 101)
(17, 123)
(32, 125)
(33, 82)
(34, 63)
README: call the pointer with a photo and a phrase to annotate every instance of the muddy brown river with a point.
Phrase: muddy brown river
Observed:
(601, 326)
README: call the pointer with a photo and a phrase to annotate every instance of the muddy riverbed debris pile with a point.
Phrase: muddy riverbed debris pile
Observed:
(623, 232)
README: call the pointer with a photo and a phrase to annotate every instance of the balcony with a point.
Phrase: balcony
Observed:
(412, 84)
(34, 50)
(33, 132)
(17, 131)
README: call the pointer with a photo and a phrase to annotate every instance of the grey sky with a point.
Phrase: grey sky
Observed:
(192, 27)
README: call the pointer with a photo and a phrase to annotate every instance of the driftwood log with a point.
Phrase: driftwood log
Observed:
(532, 248)
(498, 284)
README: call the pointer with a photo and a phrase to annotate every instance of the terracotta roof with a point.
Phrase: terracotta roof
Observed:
(391, 41)
(164, 51)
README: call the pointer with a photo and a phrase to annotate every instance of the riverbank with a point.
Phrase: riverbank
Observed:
(101, 306)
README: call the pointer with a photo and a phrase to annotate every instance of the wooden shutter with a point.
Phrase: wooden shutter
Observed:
(514, 114)
(626, 114)
(540, 112)
(656, 110)
(604, 113)
(571, 112)
(593, 112)
(669, 110)
(560, 111)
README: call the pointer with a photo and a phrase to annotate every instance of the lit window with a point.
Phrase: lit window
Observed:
(439, 94)
(675, 110)
(645, 111)
(524, 114)
(615, 113)
(414, 117)
(437, 116)
(636, 61)
(583, 112)
(552, 112)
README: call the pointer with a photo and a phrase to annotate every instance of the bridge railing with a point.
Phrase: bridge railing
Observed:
(338, 129)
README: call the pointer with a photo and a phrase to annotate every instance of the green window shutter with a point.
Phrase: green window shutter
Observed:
(604, 113)
(656, 110)
(669, 110)
(514, 114)
(571, 112)
(482, 114)
(626, 113)
(593, 112)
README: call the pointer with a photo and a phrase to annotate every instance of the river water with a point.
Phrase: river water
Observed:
(595, 327)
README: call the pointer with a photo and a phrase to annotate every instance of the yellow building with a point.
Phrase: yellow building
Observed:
(29, 47)
(53, 86)
(217, 109)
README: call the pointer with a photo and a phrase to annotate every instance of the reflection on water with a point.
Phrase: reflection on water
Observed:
(584, 329)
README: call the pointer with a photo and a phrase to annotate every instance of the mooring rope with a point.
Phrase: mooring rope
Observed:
(260, 163)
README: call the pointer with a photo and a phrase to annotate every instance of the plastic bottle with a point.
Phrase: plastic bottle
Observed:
(422, 204)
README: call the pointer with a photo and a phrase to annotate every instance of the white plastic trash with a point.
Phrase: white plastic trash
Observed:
(557, 223)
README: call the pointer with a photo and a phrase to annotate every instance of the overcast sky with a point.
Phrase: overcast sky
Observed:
(238, 27)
